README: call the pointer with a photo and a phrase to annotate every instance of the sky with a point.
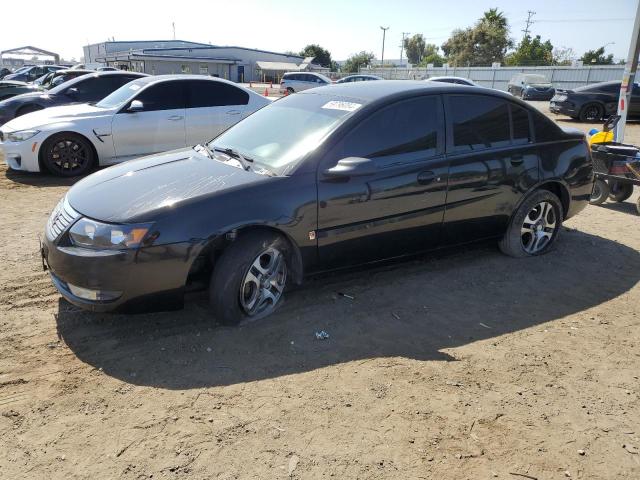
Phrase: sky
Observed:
(343, 27)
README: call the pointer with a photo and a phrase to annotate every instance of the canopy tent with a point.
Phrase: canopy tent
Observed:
(29, 52)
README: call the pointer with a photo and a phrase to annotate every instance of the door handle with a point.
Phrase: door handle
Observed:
(516, 159)
(175, 118)
(424, 178)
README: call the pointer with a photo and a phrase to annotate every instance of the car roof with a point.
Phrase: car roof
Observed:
(367, 92)
(180, 76)
(449, 77)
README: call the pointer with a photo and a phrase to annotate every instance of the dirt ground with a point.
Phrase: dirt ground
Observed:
(463, 364)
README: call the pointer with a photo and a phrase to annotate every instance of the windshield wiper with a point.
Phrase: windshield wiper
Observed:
(244, 161)
(207, 150)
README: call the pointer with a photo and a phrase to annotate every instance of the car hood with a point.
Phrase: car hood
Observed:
(145, 189)
(64, 113)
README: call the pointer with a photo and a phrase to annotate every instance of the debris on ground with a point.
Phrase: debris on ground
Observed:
(322, 335)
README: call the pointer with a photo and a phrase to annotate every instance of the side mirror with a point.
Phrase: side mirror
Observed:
(352, 167)
(136, 106)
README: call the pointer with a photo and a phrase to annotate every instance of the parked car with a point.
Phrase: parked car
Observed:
(529, 86)
(53, 79)
(148, 115)
(107, 69)
(455, 80)
(592, 103)
(11, 88)
(325, 179)
(84, 89)
(29, 74)
(359, 78)
(4, 72)
(297, 82)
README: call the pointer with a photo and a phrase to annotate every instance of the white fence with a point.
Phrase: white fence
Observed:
(561, 77)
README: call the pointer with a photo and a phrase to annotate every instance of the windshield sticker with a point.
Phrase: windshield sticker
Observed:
(346, 106)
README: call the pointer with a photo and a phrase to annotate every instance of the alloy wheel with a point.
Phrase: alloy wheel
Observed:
(67, 155)
(263, 283)
(538, 228)
(592, 113)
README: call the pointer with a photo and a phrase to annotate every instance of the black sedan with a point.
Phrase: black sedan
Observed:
(84, 89)
(320, 180)
(592, 103)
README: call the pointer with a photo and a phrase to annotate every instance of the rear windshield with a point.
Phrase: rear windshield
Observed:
(280, 135)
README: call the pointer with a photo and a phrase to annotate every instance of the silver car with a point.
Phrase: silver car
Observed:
(298, 81)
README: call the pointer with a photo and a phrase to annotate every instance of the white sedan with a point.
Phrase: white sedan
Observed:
(145, 116)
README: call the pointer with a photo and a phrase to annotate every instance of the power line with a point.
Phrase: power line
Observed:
(530, 22)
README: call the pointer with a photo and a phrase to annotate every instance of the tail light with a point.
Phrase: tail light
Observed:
(618, 168)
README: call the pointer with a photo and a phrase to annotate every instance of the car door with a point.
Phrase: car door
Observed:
(157, 127)
(399, 208)
(212, 107)
(492, 162)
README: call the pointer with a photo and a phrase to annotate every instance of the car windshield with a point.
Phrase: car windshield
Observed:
(280, 135)
(535, 79)
(120, 96)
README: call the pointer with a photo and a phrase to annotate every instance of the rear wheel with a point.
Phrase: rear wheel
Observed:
(290, 90)
(591, 112)
(600, 192)
(68, 155)
(249, 278)
(619, 192)
(534, 227)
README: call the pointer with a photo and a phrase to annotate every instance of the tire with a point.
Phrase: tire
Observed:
(290, 90)
(600, 192)
(27, 109)
(638, 205)
(239, 290)
(619, 192)
(534, 227)
(591, 112)
(68, 155)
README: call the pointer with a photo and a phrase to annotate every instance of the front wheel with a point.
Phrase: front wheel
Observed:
(290, 91)
(68, 155)
(591, 112)
(248, 280)
(534, 227)
(619, 192)
(600, 192)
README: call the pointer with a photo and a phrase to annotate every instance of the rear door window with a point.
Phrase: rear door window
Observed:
(479, 122)
(202, 93)
(521, 125)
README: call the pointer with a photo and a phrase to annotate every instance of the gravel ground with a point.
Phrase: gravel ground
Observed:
(459, 364)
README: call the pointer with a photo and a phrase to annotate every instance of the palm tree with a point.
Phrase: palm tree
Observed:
(495, 18)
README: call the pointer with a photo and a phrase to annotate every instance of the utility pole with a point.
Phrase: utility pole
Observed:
(173, 24)
(628, 79)
(384, 33)
(404, 34)
(530, 22)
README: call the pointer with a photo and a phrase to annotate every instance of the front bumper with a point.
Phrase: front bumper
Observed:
(564, 108)
(148, 279)
(537, 95)
(22, 156)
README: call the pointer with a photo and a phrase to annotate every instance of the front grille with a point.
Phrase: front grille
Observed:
(61, 217)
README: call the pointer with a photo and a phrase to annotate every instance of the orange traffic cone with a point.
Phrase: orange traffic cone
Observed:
(286, 93)
(266, 92)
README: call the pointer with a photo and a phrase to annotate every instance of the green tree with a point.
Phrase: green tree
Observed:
(484, 43)
(321, 55)
(597, 57)
(356, 61)
(531, 52)
(431, 55)
(414, 46)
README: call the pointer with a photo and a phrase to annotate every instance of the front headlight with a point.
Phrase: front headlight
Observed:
(21, 135)
(91, 234)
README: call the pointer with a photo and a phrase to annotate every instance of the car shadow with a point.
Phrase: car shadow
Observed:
(39, 179)
(414, 310)
(622, 207)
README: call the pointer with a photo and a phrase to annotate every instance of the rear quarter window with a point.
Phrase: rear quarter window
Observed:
(545, 129)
